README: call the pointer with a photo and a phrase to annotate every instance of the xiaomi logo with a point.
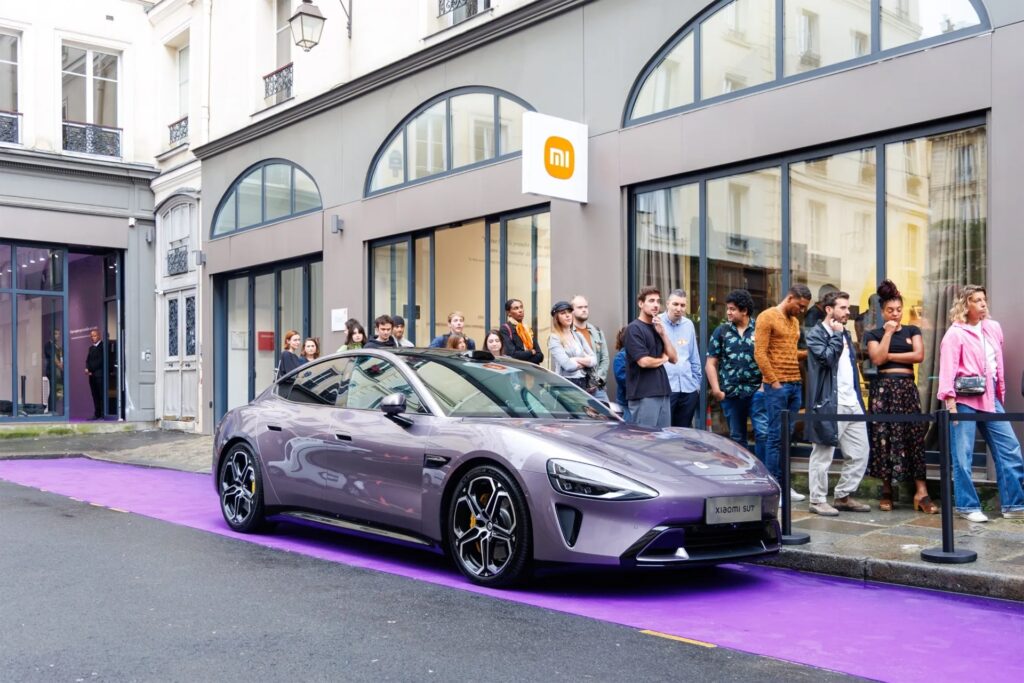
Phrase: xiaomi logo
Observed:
(559, 157)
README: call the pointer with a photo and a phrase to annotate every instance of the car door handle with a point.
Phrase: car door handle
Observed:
(273, 428)
(342, 437)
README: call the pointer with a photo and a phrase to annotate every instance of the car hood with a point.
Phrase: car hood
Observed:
(665, 454)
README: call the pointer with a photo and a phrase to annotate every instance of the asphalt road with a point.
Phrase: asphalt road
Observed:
(90, 594)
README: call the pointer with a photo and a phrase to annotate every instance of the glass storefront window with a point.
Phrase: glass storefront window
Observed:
(668, 242)
(459, 278)
(472, 129)
(268, 341)
(39, 268)
(40, 371)
(238, 342)
(390, 170)
(825, 32)
(737, 47)
(307, 197)
(832, 240)
(390, 282)
(6, 269)
(270, 191)
(289, 310)
(670, 85)
(427, 143)
(908, 21)
(936, 213)
(316, 303)
(510, 125)
(278, 191)
(6, 342)
(528, 264)
(250, 206)
(423, 309)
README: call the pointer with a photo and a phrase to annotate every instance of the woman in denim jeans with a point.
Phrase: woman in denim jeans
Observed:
(973, 347)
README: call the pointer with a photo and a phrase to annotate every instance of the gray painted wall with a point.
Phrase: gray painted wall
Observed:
(581, 65)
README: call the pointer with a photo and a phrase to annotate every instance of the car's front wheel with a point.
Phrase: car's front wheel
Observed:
(489, 528)
(241, 490)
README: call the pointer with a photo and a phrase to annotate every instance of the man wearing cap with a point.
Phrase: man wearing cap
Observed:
(456, 325)
(398, 331)
(516, 336)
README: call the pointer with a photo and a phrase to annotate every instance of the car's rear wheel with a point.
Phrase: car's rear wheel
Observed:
(488, 528)
(241, 490)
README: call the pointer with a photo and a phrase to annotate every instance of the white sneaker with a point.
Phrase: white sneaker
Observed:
(975, 516)
(796, 497)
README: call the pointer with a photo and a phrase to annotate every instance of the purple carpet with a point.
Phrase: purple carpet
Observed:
(871, 630)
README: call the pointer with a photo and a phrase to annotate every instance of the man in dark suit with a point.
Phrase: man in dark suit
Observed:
(94, 368)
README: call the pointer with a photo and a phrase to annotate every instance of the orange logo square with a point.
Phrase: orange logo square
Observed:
(559, 157)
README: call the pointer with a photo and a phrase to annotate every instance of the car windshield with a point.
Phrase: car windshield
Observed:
(499, 388)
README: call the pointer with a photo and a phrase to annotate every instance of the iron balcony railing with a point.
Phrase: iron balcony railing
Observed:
(178, 131)
(278, 84)
(10, 127)
(177, 260)
(463, 8)
(89, 138)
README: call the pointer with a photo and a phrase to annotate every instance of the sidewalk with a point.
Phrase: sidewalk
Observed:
(872, 546)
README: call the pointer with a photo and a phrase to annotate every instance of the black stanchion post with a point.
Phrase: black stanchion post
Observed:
(948, 554)
(788, 537)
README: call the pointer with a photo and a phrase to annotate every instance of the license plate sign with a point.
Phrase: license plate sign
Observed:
(731, 509)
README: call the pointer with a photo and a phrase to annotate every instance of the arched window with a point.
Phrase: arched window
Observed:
(267, 192)
(741, 45)
(457, 129)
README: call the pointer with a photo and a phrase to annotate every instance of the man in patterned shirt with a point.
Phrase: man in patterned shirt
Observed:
(733, 375)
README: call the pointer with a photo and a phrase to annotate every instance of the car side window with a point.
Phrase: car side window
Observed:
(371, 380)
(318, 383)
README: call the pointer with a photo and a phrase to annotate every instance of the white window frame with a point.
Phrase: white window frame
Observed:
(17, 64)
(183, 102)
(90, 78)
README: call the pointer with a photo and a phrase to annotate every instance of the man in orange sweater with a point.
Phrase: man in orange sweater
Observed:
(775, 350)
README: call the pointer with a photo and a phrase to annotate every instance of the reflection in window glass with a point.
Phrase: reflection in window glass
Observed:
(238, 342)
(668, 242)
(6, 273)
(907, 21)
(316, 301)
(278, 195)
(936, 201)
(307, 197)
(496, 305)
(738, 47)
(6, 342)
(390, 168)
(832, 219)
(670, 85)
(226, 218)
(528, 279)
(318, 384)
(40, 327)
(372, 379)
(459, 278)
(249, 200)
(290, 303)
(825, 32)
(40, 269)
(510, 125)
(423, 309)
(263, 324)
(472, 129)
(427, 145)
(390, 281)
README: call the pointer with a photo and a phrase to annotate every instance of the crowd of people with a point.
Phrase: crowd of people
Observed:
(759, 365)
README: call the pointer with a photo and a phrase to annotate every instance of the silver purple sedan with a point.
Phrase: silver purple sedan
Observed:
(497, 462)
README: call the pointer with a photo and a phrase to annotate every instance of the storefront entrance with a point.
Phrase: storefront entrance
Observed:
(51, 300)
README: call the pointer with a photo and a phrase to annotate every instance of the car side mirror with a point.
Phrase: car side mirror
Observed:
(393, 404)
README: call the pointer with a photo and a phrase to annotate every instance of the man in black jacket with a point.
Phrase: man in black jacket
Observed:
(517, 338)
(833, 387)
(94, 369)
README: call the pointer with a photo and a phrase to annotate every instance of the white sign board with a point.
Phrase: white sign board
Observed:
(554, 157)
(338, 318)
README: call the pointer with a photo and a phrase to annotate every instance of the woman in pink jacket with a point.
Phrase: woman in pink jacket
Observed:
(973, 347)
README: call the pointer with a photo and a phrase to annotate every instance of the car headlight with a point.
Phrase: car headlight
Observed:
(590, 481)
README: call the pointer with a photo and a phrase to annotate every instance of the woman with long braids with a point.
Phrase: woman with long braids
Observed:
(897, 448)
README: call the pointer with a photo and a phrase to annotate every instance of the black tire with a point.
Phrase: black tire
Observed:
(488, 528)
(240, 482)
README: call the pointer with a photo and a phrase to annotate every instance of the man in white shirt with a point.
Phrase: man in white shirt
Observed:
(833, 388)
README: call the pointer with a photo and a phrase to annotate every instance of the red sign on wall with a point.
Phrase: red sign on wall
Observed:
(264, 340)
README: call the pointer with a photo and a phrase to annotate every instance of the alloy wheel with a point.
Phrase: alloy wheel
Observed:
(240, 489)
(484, 526)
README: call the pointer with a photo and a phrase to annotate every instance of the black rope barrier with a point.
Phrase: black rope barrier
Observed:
(948, 554)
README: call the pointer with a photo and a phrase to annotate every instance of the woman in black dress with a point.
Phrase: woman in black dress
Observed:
(290, 358)
(897, 448)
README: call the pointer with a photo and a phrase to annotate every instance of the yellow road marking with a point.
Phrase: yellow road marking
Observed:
(669, 636)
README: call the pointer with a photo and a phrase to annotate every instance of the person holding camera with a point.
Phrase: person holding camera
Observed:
(972, 380)
(569, 352)
(596, 376)
(684, 373)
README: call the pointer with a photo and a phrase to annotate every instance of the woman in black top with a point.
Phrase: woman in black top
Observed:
(897, 448)
(290, 358)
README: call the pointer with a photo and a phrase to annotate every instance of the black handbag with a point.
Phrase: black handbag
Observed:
(969, 385)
